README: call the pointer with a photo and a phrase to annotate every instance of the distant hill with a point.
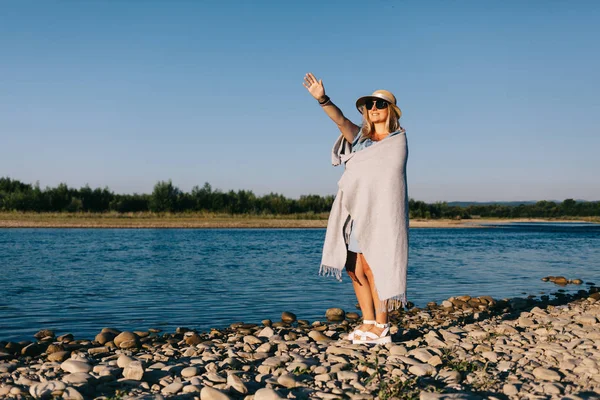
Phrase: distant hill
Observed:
(504, 203)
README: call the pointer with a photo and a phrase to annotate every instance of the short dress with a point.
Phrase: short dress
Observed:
(357, 145)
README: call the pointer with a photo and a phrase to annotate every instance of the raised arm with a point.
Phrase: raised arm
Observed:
(317, 90)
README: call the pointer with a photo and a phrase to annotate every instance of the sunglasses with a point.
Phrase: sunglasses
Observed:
(379, 104)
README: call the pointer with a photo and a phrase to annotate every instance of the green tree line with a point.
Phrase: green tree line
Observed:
(166, 197)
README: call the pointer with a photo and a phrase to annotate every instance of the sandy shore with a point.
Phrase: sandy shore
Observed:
(464, 348)
(147, 220)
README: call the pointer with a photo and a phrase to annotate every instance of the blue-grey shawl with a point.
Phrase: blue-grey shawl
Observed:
(372, 192)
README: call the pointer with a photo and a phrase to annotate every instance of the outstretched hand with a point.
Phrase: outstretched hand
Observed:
(315, 87)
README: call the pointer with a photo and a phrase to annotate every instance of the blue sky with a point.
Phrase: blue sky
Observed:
(499, 97)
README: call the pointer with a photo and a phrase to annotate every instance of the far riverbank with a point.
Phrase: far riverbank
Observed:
(202, 220)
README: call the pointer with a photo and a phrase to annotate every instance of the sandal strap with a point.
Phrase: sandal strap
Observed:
(369, 322)
(368, 336)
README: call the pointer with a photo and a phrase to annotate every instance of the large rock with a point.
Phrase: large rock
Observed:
(55, 348)
(318, 336)
(287, 381)
(77, 378)
(134, 371)
(546, 374)
(59, 356)
(33, 350)
(421, 369)
(189, 372)
(124, 360)
(266, 332)
(586, 319)
(192, 338)
(127, 340)
(71, 394)
(288, 317)
(266, 394)
(105, 337)
(251, 339)
(560, 280)
(208, 393)
(236, 383)
(74, 366)
(67, 337)
(172, 388)
(335, 314)
(44, 333)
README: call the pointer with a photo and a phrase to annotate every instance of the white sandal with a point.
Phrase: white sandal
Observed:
(371, 338)
(357, 332)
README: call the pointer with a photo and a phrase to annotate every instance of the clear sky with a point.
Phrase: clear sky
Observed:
(500, 98)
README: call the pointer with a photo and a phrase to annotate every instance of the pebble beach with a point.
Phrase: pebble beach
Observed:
(463, 348)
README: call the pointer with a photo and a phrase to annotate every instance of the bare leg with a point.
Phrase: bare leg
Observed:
(381, 316)
(362, 288)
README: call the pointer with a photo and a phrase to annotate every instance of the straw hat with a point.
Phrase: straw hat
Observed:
(379, 94)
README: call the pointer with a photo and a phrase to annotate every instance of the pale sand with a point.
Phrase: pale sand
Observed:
(135, 221)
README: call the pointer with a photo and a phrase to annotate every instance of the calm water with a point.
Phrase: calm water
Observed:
(80, 280)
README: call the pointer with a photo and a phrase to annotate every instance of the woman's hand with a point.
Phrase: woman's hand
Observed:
(315, 87)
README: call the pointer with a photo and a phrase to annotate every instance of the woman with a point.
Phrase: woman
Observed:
(367, 231)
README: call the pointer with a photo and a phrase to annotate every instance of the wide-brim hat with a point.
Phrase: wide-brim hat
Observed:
(379, 94)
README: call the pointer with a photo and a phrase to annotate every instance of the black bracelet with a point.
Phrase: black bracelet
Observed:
(325, 100)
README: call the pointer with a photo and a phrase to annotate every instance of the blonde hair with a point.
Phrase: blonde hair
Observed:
(392, 124)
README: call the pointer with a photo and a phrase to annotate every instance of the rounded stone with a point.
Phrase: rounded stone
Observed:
(421, 369)
(71, 393)
(172, 388)
(44, 333)
(352, 316)
(104, 337)
(560, 280)
(124, 360)
(126, 340)
(33, 350)
(236, 383)
(192, 389)
(208, 393)
(266, 394)
(55, 348)
(317, 336)
(189, 372)
(586, 319)
(77, 378)
(59, 356)
(287, 381)
(510, 389)
(74, 366)
(192, 338)
(266, 332)
(67, 337)
(134, 371)
(288, 317)
(335, 314)
(250, 339)
(546, 374)
(347, 376)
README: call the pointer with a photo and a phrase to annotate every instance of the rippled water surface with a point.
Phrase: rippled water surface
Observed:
(80, 280)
